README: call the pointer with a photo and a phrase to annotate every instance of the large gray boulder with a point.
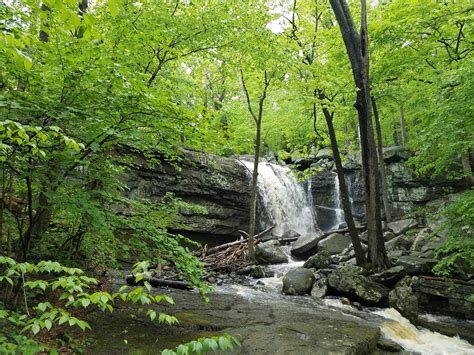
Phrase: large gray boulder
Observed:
(306, 245)
(395, 154)
(448, 296)
(404, 300)
(390, 276)
(334, 243)
(270, 253)
(298, 282)
(349, 282)
(415, 265)
(320, 260)
(399, 243)
(403, 225)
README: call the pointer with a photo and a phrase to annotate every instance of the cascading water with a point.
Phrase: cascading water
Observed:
(337, 199)
(284, 199)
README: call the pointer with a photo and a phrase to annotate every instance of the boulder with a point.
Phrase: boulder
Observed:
(387, 236)
(389, 346)
(404, 300)
(334, 243)
(399, 243)
(394, 255)
(320, 260)
(421, 239)
(395, 154)
(416, 266)
(298, 282)
(432, 244)
(447, 296)
(290, 233)
(320, 288)
(401, 226)
(305, 245)
(270, 253)
(324, 154)
(349, 282)
(390, 276)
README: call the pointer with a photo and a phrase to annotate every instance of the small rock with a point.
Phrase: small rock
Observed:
(415, 265)
(401, 226)
(298, 282)
(290, 234)
(306, 245)
(320, 288)
(335, 243)
(257, 272)
(320, 260)
(270, 253)
(390, 276)
(211, 280)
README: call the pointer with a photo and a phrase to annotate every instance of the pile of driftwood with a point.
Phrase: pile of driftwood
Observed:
(231, 256)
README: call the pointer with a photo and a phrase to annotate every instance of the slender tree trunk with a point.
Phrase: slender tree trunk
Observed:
(383, 174)
(346, 204)
(403, 128)
(258, 122)
(357, 50)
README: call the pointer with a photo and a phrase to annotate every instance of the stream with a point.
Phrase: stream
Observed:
(265, 320)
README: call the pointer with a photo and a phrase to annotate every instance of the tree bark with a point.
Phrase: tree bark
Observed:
(357, 50)
(346, 204)
(383, 174)
(258, 122)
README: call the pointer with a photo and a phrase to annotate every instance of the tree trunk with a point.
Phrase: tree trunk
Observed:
(383, 174)
(467, 168)
(357, 50)
(403, 128)
(254, 195)
(346, 204)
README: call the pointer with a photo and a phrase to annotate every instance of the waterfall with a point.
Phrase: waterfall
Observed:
(337, 199)
(284, 199)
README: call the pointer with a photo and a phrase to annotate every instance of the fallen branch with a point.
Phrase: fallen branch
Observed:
(155, 282)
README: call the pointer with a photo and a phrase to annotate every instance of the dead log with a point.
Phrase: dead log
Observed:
(155, 282)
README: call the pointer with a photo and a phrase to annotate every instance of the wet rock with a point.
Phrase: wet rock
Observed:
(326, 271)
(320, 288)
(416, 266)
(349, 281)
(290, 234)
(255, 271)
(389, 346)
(298, 282)
(320, 260)
(446, 296)
(306, 245)
(403, 225)
(404, 300)
(334, 243)
(390, 276)
(270, 253)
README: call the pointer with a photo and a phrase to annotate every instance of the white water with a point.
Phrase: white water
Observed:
(424, 341)
(284, 199)
(289, 207)
(337, 200)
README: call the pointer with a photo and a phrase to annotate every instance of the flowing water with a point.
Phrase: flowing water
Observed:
(284, 199)
(289, 206)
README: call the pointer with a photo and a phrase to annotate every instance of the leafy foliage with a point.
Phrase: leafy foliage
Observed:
(458, 251)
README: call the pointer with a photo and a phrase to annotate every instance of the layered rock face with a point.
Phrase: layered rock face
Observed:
(406, 190)
(219, 184)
